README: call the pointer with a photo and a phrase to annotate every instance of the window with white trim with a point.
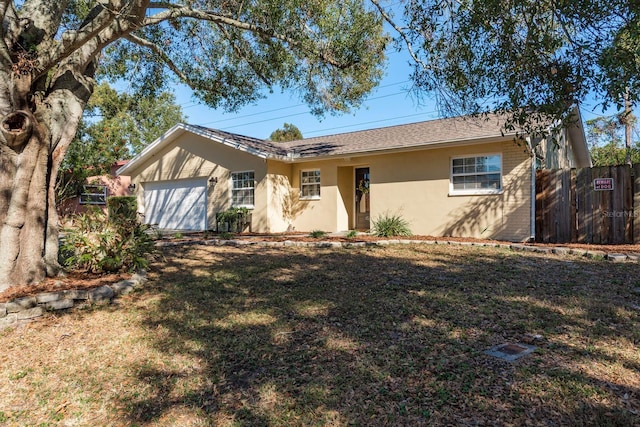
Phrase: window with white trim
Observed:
(310, 184)
(476, 174)
(242, 189)
(93, 194)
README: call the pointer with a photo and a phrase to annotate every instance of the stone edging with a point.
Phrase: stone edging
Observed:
(19, 310)
(558, 250)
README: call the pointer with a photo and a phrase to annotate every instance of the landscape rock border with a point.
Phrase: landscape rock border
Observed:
(25, 309)
(557, 250)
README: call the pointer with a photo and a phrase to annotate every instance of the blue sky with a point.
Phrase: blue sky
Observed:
(390, 104)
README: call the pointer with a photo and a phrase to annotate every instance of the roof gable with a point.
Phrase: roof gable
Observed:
(254, 146)
(456, 130)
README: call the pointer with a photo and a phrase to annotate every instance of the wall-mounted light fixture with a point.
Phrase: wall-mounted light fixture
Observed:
(132, 187)
(213, 180)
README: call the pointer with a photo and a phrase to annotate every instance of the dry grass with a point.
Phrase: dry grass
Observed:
(368, 336)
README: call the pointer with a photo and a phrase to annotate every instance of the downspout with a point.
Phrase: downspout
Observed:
(532, 210)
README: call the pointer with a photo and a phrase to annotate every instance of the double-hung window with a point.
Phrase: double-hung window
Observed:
(310, 184)
(93, 194)
(476, 175)
(242, 189)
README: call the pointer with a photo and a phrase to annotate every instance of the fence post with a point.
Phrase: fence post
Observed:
(636, 203)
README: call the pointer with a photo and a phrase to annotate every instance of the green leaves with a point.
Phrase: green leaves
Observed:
(606, 143)
(96, 244)
(288, 132)
(330, 53)
(478, 56)
(389, 225)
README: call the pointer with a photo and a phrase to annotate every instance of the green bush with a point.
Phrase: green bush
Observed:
(96, 245)
(318, 234)
(351, 234)
(237, 219)
(226, 235)
(388, 225)
(122, 209)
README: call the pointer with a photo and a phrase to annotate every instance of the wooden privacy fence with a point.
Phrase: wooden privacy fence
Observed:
(590, 205)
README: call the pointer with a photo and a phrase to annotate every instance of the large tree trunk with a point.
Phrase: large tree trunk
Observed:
(34, 136)
(24, 184)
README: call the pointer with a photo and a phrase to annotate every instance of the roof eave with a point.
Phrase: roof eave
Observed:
(152, 148)
(228, 142)
(579, 142)
(379, 151)
(174, 133)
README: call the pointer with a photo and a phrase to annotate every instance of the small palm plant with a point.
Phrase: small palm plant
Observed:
(318, 234)
(388, 225)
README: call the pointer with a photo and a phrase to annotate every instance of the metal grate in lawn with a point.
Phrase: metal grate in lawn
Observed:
(510, 352)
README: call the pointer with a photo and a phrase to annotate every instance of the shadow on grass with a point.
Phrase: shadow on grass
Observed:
(387, 336)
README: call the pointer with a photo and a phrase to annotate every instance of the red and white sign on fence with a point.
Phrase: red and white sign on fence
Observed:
(603, 184)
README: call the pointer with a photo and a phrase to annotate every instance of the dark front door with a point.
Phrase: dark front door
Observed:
(363, 196)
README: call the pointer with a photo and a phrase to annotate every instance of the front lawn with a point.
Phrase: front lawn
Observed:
(365, 336)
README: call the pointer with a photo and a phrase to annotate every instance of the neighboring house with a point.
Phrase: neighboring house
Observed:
(448, 177)
(96, 190)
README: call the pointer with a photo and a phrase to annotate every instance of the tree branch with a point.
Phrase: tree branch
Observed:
(163, 56)
(563, 25)
(401, 32)
(4, 50)
(71, 41)
(242, 54)
(187, 12)
(44, 15)
(13, 24)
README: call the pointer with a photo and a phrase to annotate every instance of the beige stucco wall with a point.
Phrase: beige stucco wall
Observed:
(415, 185)
(282, 200)
(192, 156)
(287, 211)
(322, 214)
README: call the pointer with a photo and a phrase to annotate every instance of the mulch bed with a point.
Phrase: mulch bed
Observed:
(71, 280)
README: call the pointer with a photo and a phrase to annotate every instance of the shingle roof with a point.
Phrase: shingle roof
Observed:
(407, 136)
(398, 137)
(370, 140)
(258, 144)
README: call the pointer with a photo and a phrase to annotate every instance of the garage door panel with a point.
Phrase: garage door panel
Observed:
(176, 205)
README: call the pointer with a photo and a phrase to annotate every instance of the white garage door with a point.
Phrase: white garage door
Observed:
(176, 205)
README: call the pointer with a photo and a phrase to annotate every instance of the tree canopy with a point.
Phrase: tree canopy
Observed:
(288, 132)
(522, 56)
(606, 141)
(117, 126)
(230, 52)
(331, 53)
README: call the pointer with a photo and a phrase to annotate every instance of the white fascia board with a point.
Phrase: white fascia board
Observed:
(152, 148)
(228, 142)
(579, 141)
(177, 131)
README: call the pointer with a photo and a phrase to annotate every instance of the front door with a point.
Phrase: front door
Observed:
(363, 207)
